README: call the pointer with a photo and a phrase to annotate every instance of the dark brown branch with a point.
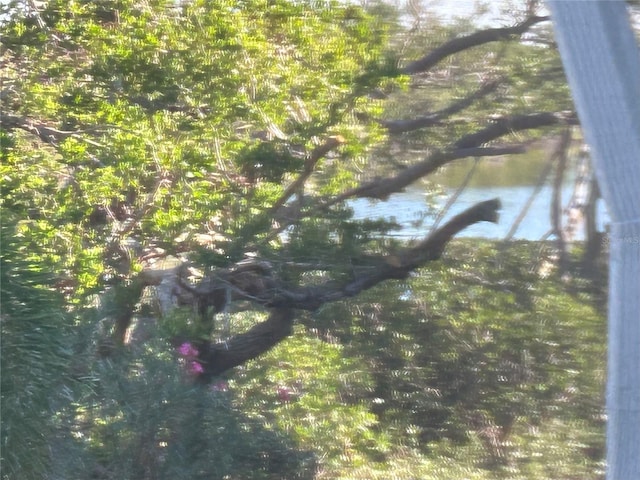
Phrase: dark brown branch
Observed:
(465, 102)
(220, 357)
(309, 165)
(46, 133)
(467, 146)
(505, 125)
(382, 188)
(409, 125)
(469, 41)
(396, 266)
(403, 126)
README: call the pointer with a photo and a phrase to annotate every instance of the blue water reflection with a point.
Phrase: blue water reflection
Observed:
(407, 207)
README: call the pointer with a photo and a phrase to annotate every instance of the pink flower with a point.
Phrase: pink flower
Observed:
(284, 394)
(187, 350)
(195, 368)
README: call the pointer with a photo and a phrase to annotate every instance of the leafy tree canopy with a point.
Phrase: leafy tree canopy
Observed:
(168, 162)
(176, 126)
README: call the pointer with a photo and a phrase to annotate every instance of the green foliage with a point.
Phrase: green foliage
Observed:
(268, 160)
(172, 128)
(482, 355)
(167, 124)
(36, 334)
(141, 416)
(188, 117)
(306, 387)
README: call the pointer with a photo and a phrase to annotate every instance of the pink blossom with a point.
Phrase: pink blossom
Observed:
(284, 394)
(195, 368)
(188, 350)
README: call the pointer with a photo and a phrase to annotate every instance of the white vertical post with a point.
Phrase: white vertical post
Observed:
(601, 59)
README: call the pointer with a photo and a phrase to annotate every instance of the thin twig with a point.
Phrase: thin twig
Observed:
(542, 179)
(457, 194)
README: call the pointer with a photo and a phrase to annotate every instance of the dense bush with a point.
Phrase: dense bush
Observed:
(476, 368)
(481, 360)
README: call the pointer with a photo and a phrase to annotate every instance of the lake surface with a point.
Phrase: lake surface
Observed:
(512, 181)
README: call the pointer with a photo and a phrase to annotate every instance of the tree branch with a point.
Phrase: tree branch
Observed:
(504, 125)
(382, 188)
(46, 133)
(312, 159)
(409, 125)
(467, 146)
(469, 41)
(396, 266)
(220, 357)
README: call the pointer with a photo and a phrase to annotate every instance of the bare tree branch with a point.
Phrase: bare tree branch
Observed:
(469, 41)
(46, 133)
(382, 188)
(467, 146)
(409, 125)
(505, 125)
(312, 159)
(283, 300)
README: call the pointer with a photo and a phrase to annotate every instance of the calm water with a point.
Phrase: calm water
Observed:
(512, 184)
